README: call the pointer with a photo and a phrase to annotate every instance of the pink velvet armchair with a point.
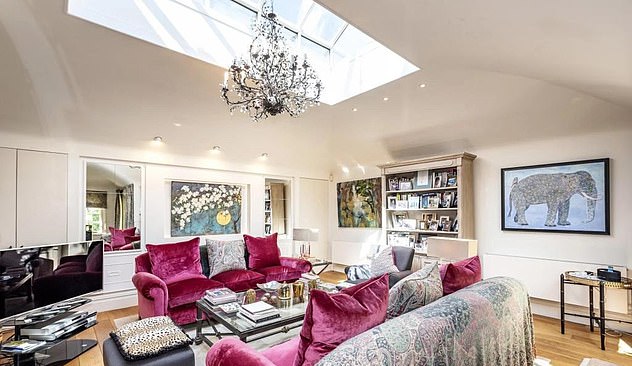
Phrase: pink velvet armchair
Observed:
(173, 287)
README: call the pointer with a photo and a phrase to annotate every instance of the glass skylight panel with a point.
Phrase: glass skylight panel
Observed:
(322, 25)
(217, 31)
(292, 11)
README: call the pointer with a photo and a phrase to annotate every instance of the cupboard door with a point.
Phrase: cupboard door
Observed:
(8, 194)
(42, 198)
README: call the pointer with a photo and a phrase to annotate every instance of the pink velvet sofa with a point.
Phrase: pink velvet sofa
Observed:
(176, 296)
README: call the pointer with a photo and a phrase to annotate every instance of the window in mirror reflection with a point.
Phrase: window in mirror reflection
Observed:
(112, 210)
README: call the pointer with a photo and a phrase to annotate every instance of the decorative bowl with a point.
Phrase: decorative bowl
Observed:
(269, 286)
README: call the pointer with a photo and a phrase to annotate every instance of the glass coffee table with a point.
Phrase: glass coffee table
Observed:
(292, 313)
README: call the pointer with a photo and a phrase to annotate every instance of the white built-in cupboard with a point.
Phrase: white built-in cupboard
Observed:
(34, 204)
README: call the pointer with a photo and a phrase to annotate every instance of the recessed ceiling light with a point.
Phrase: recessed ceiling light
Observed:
(158, 139)
(422, 85)
(386, 99)
(216, 148)
(345, 170)
(264, 156)
(355, 109)
(177, 124)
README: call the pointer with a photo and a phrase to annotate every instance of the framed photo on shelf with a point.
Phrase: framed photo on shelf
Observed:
(434, 225)
(451, 181)
(393, 184)
(436, 181)
(446, 199)
(405, 184)
(413, 202)
(401, 204)
(423, 180)
(398, 218)
(412, 239)
(427, 217)
(434, 201)
(455, 225)
(391, 202)
(569, 197)
(409, 224)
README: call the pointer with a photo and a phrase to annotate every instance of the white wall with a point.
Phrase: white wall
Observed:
(614, 249)
(313, 211)
(352, 245)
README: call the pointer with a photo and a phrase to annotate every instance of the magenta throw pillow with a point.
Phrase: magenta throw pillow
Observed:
(262, 252)
(175, 261)
(458, 275)
(118, 236)
(331, 319)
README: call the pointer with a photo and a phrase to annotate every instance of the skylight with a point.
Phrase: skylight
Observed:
(217, 31)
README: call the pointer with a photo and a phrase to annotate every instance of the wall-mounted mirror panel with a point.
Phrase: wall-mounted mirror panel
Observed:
(113, 205)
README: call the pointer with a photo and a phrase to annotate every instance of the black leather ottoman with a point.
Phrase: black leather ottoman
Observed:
(178, 357)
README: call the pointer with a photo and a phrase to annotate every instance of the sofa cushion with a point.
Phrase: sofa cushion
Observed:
(189, 290)
(458, 275)
(118, 235)
(132, 238)
(225, 255)
(94, 260)
(263, 252)
(171, 262)
(331, 319)
(239, 280)
(383, 263)
(415, 290)
(279, 273)
(148, 338)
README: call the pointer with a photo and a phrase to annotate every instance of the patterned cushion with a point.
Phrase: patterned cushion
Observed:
(416, 290)
(383, 263)
(225, 255)
(148, 338)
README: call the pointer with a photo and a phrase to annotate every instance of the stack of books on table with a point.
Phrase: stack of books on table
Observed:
(258, 313)
(218, 296)
(22, 346)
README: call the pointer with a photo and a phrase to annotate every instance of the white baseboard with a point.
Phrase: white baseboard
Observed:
(551, 309)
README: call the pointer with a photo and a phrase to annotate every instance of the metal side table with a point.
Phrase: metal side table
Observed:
(591, 281)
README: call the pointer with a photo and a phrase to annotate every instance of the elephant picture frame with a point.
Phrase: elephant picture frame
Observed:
(569, 197)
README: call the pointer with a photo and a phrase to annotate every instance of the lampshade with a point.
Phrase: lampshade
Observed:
(305, 234)
(452, 249)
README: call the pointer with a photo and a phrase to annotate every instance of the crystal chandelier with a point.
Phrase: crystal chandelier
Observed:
(273, 81)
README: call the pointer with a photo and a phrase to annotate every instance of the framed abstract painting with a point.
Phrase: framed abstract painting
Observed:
(571, 197)
(205, 208)
(360, 203)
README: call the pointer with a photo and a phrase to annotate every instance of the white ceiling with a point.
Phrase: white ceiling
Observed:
(497, 71)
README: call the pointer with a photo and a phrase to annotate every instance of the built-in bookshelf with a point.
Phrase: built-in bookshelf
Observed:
(428, 197)
(275, 219)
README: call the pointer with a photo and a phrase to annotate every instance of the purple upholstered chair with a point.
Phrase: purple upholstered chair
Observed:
(172, 287)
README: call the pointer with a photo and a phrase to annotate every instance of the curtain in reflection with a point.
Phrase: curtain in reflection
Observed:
(124, 207)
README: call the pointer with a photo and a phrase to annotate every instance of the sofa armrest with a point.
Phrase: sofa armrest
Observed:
(147, 284)
(298, 264)
(230, 351)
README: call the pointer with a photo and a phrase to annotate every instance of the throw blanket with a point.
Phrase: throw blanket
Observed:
(488, 323)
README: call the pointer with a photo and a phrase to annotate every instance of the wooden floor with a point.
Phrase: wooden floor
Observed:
(562, 349)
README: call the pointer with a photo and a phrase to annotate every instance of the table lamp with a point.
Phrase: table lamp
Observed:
(305, 236)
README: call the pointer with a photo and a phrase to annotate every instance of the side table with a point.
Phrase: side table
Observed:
(591, 281)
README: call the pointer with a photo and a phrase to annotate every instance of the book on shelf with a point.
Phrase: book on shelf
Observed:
(219, 296)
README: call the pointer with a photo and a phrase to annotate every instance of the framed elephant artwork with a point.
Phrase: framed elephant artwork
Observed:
(572, 197)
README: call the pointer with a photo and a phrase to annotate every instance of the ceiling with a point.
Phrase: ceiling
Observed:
(496, 71)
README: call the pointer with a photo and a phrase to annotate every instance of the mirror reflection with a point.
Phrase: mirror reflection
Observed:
(113, 204)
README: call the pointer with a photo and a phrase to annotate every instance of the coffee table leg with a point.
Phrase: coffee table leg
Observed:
(198, 326)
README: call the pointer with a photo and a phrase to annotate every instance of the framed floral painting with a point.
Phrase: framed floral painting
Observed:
(205, 208)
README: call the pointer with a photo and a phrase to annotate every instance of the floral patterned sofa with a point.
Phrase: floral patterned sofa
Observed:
(487, 323)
